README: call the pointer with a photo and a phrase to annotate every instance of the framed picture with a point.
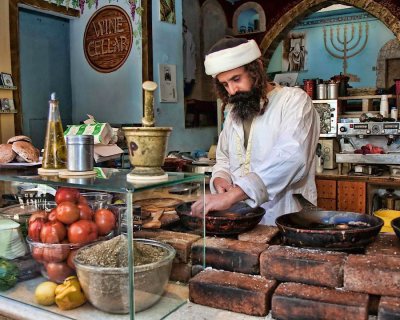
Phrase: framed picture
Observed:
(167, 11)
(6, 79)
(7, 105)
(294, 53)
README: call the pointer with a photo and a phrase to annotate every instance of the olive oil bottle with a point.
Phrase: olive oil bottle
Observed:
(55, 151)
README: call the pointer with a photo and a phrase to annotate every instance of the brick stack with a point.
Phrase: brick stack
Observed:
(252, 275)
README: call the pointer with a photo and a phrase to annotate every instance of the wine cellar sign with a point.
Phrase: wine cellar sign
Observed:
(108, 39)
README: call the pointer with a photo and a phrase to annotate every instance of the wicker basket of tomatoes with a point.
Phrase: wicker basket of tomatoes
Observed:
(71, 222)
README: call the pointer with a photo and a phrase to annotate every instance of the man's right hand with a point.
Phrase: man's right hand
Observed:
(221, 185)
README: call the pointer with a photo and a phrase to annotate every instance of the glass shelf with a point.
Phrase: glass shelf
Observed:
(112, 180)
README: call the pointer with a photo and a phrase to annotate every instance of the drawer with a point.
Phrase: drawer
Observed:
(326, 189)
(352, 196)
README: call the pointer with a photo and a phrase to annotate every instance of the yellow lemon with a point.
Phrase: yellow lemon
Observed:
(45, 293)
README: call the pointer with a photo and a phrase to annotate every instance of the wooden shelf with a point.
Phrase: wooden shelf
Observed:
(8, 87)
(368, 97)
(6, 112)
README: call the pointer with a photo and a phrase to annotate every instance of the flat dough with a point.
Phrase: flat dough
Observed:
(26, 151)
(6, 153)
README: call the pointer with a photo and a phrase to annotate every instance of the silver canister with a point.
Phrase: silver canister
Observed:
(333, 90)
(80, 153)
(322, 91)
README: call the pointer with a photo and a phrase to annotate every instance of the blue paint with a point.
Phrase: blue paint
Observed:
(320, 64)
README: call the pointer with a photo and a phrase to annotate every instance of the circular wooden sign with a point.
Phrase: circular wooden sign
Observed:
(108, 39)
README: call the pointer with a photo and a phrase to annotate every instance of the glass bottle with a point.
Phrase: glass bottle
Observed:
(55, 151)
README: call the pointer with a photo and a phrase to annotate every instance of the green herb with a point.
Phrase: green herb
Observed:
(8, 274)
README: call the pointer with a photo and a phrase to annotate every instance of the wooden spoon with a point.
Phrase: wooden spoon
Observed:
(155, 223)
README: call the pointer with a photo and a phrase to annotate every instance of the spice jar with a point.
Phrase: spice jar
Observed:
(80, 153)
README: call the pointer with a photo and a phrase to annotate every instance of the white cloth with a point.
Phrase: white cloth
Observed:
(280, 157)
(231, 58)
(189, 57)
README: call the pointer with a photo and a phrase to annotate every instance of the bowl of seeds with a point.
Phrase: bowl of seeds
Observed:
(103, 273)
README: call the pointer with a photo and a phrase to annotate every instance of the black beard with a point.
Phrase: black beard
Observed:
(246, 105)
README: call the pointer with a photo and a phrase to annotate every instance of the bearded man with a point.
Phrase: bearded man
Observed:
(266, 150)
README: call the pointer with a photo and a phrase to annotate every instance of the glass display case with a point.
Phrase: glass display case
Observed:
(114, 293)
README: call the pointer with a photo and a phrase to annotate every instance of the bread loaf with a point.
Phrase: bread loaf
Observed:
(6, 153)
(26, 151)
(19, 138)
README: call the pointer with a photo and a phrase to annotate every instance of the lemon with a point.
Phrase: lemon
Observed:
(45, 293)
(119, 201)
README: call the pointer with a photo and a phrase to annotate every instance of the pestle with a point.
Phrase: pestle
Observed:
(148, 119)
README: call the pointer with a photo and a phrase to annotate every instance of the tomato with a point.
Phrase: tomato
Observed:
(35, 227)
(53, 232)
(105, 221)
(58, 271)
(85, 212)
(52, 215)
(70, 260)
(82, 200)
(67, 194)
(37, 214)
(56, 253)
(67, 212)
(37, 253)
(82, 231)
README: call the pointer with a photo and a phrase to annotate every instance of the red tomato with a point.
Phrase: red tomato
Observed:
(37, 214)
(83, 200)
(85, 212)
(70, 260)
(37, 253)
(53, 232)
(82, 231)
(52, 215)
(105, 221)
(35, 227)
(58, 271)
(67, 212)
(56, 254)
(67, 194)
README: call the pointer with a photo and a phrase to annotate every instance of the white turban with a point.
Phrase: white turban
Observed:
(231, 58)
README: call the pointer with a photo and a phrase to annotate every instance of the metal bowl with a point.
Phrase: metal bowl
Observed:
(108, 288)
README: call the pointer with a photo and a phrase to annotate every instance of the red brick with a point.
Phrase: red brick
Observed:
(229, 254)
(260, 234)
(316, 267)
(181, 242)
(232, 291)
(295, 301)
(373, 274)
(389, 308)
(181, 272)
(384, 243)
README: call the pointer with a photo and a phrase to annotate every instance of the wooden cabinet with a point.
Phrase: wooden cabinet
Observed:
(351, 196)
(342, 195)
(326, 190)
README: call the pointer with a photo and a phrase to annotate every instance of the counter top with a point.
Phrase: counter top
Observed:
(334, 175)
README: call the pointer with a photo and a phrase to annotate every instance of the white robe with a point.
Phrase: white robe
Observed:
(280, 156)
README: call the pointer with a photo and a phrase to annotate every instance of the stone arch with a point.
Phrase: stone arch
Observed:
(390, 50)
(273, 36)
(246, 6)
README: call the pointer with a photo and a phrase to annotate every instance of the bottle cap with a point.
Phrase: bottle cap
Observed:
(53, 96)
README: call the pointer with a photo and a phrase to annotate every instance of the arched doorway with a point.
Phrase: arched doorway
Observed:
(287, 21)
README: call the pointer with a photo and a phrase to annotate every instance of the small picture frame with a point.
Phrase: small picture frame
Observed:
(6, 79)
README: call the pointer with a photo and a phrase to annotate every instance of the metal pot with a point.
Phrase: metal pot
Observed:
(237, 219)
(334, 230)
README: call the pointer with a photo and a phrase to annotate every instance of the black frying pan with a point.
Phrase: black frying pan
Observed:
(237, 219)
(335, 230)
(396, 226)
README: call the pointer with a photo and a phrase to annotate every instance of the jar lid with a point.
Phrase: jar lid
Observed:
(81, 139)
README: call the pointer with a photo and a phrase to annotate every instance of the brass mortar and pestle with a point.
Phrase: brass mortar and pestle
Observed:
(147, 145)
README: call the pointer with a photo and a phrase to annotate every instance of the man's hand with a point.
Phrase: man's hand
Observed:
(218, 202)
(221, 185)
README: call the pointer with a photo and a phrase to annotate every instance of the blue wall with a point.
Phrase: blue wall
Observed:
(167, 49)
(116, 97)
(320, 64)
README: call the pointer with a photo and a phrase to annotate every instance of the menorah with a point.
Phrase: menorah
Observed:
(343, 46)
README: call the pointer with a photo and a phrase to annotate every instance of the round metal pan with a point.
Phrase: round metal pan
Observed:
(396, 226)
(334, 230)
(237, 219)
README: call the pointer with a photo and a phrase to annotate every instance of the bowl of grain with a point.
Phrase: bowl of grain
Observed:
(102, 270)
